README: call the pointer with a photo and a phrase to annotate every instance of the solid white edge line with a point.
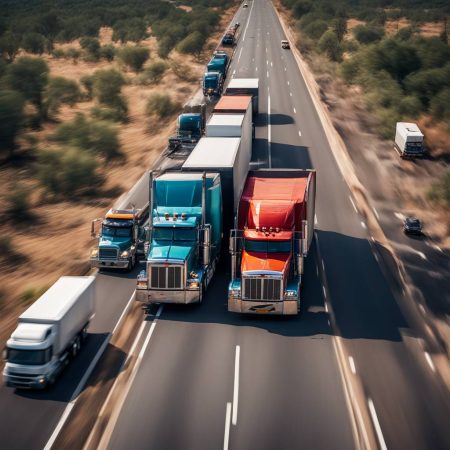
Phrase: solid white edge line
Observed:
(226, 436)
(149, 335)
(315, 215)
(269, 131)
(430, 361)
(352, 364)
(86, 375)
(376, 213)
(363, 225)
(236, 384)
(248, 21)
(299, 133)
(295, 111)
(267, 74)
(353, 203)
(376, 424)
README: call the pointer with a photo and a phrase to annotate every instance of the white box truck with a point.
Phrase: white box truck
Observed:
(231, 158)
(408, 140)
(49, 333)
(245, 86)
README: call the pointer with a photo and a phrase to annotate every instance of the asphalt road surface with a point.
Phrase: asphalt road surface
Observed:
(290, 388)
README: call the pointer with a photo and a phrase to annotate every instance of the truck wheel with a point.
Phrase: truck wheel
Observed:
(130, 265)
(75, 347)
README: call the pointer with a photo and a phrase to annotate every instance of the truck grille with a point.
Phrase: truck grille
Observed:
(170, 277)
(107, 253)
(262, 289)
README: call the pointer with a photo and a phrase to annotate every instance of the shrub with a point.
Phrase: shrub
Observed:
(350, 70)
(154, 72)
(18, 202)
(165, 45)
(29, 76)
(31, 294)
(134, 57)
(340, 27)
(387, 118)
(134, 29)
(410, 106)
(329, 44)
(67, 171)
(161, 105)
(58, 53)
(316, 29)
(6, 247)
(116, 111)
(107, 52)
(440, 105)
(95, 136)
(366, 34)
(61, 90)
(34, 43)
(11, 118)
(301, 7)
(182, 71)
(9, 46)
(73, 53)
(91, 46)
(192, 44)
(107, 85)
(87, 81)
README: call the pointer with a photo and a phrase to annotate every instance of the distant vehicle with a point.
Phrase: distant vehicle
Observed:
(285, 44)
(49, 333)
(245, 5)
(237, 25)
(412, 225)
(409, 140)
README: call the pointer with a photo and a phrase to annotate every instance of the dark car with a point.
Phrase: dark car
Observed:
(285, 44)
(412, 225)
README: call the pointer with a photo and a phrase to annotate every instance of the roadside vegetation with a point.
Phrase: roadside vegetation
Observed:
(386, 49)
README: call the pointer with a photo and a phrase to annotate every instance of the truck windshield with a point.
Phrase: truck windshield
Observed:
(29, 357)
(108, 231)
(210, 82)
(268, 246)
(174, 234)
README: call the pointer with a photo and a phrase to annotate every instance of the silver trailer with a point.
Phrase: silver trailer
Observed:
(408, 140)
(49, 333)
(245, 86)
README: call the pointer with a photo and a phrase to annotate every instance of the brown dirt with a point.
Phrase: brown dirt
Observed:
(58, 242)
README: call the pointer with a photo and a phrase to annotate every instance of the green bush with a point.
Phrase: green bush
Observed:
(91, 46)
(96, 136)
(116, 111)
(387, 118)
(34, 43)
(9, 46)
(68, 171)
(410, 106)
(316, 29)
(11, 118)
(61, 90)
(18, 202)
(107, 52)
(329, 44)
(182, 71)
(192, 44)
(133, 29)
(161, 105)
(440, 105)
(107, 85)
(87, 81)
(6, 246)
(154, 72)
(367, 34)
(440, 191)
(301, 7)
(73, 53)
(31, 294)
(134, 57)
(350, 69)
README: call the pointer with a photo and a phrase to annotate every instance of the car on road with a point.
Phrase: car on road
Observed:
(245, 5)
(285, 44)
(237, 25)
(412, 225)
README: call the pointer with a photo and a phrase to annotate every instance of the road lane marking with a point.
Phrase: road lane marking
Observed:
(376, 424)
(240, 54)
(150, 333)
(299, 133)
(430, 361)
(256, 68)
(352, 364)
(400, 216)
(363, 225)
(315, 219)
(87, 374)
(290, 93)
(234, 71)
(271, 65)
(267, 62)
(353, 203)
(267, 74)
(285, 69)
(422, 255)
(236, 384)
(376, 213)
(248, 21)
(269, 132)
(226, 437)
(324, 291)
(288, 83)
(295, 111)
(323, 266)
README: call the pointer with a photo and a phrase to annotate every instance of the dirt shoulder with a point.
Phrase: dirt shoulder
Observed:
(57, 241)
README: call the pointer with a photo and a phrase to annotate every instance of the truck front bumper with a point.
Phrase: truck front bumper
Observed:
(24, 381)
(109, 263)
(286, 307)
(168, 296)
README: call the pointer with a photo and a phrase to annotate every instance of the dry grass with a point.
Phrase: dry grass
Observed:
(58, 242)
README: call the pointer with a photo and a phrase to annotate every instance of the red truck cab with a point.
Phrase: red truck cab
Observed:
(275, 225)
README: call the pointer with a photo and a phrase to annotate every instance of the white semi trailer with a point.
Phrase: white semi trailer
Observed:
(49, 333)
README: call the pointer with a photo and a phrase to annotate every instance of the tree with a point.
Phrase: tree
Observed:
(29, 75)
(34, 43)
(161, 105)
(9, 45)
(107, 85)
(315, 29)
(340, 27)
(92, 47)
(301, 7)
(134, 57)
(133, 29)
(329, 44)
(107, 52)
(193, 44)
(11, 118)
(440, 105)
(49, 25)
(155, 71)
(68, 171)
(61, 90)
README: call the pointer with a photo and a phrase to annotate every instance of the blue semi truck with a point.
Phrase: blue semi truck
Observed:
(190, 127)
(212, 84)
(183, 237)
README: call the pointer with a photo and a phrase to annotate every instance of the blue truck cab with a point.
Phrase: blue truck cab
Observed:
(219, 63)
(118, 240)
(184, 237)
(212, 84)
(190, 127)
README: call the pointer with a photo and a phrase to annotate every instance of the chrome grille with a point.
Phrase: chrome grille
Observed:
(107, 253)
(170, 277)
(262, 289)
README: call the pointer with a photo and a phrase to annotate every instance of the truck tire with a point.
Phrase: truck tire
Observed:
(131, 264)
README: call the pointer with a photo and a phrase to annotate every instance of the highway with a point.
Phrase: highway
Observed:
(210, 378)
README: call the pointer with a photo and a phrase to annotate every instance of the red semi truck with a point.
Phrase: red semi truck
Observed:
(275, 227)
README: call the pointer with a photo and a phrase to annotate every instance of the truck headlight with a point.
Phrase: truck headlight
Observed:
(290, 294)
(141, 284)
(235, 293)
(124, 254)
(193, 284)
(94, 252)
(41, 380)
